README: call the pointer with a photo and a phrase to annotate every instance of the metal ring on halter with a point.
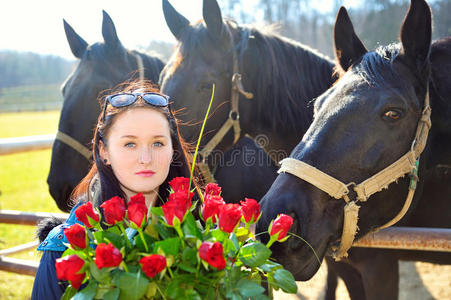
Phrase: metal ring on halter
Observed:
(233, 113)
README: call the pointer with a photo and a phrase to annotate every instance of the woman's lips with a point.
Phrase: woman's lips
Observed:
(145, 173)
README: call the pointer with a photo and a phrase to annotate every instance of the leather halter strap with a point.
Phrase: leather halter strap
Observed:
(407, 164)
(233, 120)
(76, 145)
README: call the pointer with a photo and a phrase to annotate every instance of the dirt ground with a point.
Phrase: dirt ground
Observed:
(418, 281)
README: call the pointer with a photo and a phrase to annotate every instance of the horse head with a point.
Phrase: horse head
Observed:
(101, 66)
(365, 122)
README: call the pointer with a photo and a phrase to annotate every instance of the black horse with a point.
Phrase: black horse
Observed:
(283, 76)
(361, 125)
(102, 66)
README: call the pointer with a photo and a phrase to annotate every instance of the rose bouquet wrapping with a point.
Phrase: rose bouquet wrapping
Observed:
(165, 253)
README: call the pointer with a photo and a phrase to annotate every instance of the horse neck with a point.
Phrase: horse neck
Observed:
(284, 77)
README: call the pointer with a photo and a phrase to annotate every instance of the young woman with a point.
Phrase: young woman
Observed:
(137, 148)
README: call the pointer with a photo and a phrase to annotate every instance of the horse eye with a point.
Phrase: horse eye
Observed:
(393, 114)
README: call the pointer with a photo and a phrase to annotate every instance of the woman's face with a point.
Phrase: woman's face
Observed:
(139, 150)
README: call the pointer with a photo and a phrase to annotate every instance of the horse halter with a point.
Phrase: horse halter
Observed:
(233, 119)
(407, 164)
(76, 145)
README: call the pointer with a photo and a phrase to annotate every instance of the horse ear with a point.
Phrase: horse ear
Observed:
(175, 21)
(76, 43)
(348, 47)
(212, 17)
(109, 31)
(415, 35)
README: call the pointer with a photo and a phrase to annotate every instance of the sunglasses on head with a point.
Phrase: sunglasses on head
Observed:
(126, 99)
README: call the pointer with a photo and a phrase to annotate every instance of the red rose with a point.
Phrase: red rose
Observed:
(76, 235)
(153, 264)
(177, 205)
(282, 224)
(137, 209)
(107, 256)
(250, 210)
(229, 216)
(212, 189)
(212, 206)
(114, 210)
(179, 183)
(213, 254)
(67, 268)
(84, 211)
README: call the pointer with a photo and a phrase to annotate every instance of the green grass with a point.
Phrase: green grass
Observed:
(23, 187)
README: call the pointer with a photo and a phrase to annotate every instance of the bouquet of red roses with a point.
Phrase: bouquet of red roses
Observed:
(165, 253)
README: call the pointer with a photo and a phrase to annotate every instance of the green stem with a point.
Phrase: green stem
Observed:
(121, 227)
(143, 239)
(200, 137)
(314, 252)
(124, 266)
(162, 295)
(170, 272)
(271, 241)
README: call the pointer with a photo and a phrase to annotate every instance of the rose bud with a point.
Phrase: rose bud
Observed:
(250, 210)
(137, 209)
(76, 235)
(177, 206)
(84, 211)
(229, 217)
(153, 264)
(281, 225)
(212, 189)
(114, 210)
(212, 207)
(213, 254)
(107, 256)
(179, 183)
(68, 267)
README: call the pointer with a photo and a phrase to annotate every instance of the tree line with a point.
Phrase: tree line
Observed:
(26, 68)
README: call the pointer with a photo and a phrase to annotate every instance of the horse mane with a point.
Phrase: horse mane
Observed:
(283, 75)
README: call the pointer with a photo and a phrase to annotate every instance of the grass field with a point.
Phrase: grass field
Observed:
(31, 98)
(23, 187)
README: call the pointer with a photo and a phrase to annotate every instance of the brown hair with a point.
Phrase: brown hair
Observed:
(108, 182)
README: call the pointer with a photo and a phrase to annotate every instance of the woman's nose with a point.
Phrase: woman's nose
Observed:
(144, 156)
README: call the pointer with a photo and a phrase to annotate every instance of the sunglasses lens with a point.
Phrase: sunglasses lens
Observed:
(155, 99)
(120, 100)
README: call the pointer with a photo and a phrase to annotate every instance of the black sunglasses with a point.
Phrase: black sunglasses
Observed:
(126, 99)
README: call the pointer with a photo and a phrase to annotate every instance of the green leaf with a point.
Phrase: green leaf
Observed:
(68, 293)
(270, 266)
(218, 235)
(139, 243)
(116, 239)
(158, 211)
(111, 295)
(133, 286)
(187, 268)
(88, 292)
(285, 281)
(98, 235)
(235, 242)
(169, 246)
(164, 231)
(254, 254)
(189, 256)
(99, 275)
(189, 227)
(249, 288)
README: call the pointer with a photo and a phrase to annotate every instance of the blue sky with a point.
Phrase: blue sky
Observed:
(36, 25)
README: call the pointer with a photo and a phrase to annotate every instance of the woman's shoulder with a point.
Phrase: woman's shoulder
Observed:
(55, 239)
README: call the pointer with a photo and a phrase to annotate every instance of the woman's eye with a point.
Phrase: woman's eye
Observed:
(130, 145)
(393, 114)
(158, 144)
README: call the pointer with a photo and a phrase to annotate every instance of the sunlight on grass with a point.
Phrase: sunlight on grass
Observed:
(23, 187)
